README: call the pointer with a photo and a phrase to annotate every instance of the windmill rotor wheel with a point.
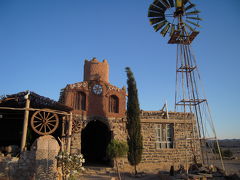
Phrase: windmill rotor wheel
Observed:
(76, 126)
(169, 16)
(44, 123)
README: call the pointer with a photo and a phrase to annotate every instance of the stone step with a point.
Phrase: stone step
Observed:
(98, 173)
(98, 170)
(97, 178)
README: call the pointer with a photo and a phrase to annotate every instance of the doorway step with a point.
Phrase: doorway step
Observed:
(94, 172)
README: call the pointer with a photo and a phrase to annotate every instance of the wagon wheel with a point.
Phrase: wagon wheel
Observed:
(76, 126)
(44, 123)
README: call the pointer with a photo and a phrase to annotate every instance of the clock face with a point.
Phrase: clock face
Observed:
(97, 89)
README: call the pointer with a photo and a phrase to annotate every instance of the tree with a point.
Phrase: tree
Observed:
(116, 149)
(134, 139)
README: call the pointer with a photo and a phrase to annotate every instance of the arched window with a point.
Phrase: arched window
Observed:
(113, 104)
(80, 101)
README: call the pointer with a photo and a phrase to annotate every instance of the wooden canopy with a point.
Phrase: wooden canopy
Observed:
(44, 113)
(37, 101)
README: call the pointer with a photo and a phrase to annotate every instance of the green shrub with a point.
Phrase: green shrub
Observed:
(117, 149)
(227, 153)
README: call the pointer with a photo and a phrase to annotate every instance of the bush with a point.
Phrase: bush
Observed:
(227, 153)
(71, 164)
(117, 149)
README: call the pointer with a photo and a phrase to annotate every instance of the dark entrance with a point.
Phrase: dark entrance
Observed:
(94, 141)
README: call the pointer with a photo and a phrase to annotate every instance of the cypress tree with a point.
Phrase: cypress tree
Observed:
(134, 140)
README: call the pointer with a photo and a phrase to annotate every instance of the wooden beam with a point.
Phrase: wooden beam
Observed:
(34, 109)
(159, 120)
(69, 134)
(25, 123)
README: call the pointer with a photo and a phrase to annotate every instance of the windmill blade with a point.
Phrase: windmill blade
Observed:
(155, 14)
(172, 29)
(190, 6)
(171, 2)
(192, 12)
(165, 2)
(193, 23)
(189, 27)
(160, 25)
(160, 5)
(156, 20)
(165, 30)
(195, 18)
(154, 8)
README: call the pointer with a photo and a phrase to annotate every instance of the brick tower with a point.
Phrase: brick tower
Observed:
(95, 70)
(98, 111)
(95, 96)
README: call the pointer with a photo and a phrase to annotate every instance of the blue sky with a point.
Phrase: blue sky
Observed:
(43, 45)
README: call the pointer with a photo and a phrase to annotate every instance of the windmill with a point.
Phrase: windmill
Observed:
(180, 20)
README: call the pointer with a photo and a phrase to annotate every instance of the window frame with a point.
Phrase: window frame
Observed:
(164, 136)
(113, 104)
(80, 101)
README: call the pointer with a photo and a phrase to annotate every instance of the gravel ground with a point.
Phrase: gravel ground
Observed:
(231, 166)
(124, 176)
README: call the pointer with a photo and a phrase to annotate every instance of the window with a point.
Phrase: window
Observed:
(164, 136)
(80, 101)
(113, 104)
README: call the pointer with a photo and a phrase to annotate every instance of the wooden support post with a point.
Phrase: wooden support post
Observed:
(69, 134)
(25, 123)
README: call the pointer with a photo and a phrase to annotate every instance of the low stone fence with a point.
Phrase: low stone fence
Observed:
(38, 163)
(21, 168)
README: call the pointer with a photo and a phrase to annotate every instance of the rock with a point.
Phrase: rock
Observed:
(181, 169)
(12, 149)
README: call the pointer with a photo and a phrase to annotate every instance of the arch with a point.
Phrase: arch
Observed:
(94, 140)
(80, 101)
(113, 104)
(102, 119)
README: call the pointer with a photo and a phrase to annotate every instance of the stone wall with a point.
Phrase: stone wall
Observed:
(15, 168)
(184, 151)
(38, 163)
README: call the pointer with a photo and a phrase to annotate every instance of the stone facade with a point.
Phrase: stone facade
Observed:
(182, 151)
(116, 125)
(164, 134)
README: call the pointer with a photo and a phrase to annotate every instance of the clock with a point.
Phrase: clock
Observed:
(97, 89)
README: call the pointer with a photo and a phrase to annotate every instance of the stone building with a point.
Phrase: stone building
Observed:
(100, 115)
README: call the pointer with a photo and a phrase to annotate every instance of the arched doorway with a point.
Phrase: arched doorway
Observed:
(94, 140)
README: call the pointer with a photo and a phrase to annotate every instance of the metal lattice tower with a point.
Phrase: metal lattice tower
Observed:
(180, 19)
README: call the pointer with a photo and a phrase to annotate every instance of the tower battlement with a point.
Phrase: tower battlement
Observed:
(95, 70)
